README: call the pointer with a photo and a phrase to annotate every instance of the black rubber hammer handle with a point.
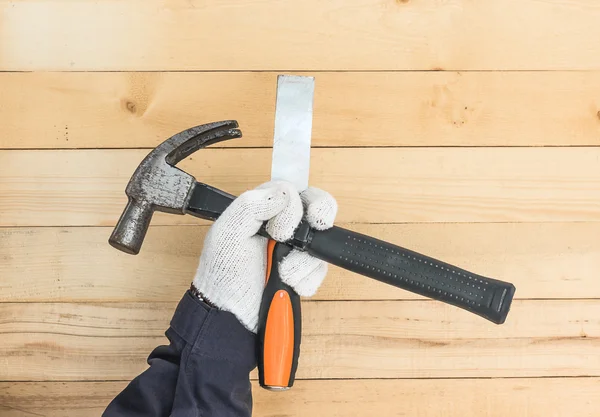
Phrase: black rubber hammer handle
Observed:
(413, 272)
(383, 261)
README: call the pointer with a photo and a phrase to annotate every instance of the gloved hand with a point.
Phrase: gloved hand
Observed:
(232, 270)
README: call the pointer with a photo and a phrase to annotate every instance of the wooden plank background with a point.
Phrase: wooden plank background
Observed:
(352, 109)
(469, 131)
(311, 35)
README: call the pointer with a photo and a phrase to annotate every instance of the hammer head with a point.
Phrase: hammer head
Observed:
(157, 184)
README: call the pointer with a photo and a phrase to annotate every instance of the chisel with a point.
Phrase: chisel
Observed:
(280, 322)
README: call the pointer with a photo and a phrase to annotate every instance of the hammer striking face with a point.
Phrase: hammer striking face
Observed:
(157, 184)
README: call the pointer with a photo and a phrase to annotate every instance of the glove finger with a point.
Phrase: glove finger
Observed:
(302, 272)
(246, 214)
(282, 226)
(321, 208)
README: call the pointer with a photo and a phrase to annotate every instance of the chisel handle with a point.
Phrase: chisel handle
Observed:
(279, 326)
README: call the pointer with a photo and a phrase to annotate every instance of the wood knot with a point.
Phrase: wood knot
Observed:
(598, 114)
(131, 107)
(402, 1)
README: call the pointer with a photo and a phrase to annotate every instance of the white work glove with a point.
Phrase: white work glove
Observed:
(233, 265)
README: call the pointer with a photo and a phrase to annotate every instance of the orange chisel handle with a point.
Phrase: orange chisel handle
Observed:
(279, 326)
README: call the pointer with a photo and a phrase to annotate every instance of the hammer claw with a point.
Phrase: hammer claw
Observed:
(190, 140)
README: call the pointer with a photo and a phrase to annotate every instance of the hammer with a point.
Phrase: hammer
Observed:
(158, 185)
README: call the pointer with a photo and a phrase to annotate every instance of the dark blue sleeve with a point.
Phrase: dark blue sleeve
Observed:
(203, 372)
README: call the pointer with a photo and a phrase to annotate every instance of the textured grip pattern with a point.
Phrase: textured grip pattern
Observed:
(414, 272)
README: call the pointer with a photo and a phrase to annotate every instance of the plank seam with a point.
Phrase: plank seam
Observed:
(362, 300)
(332, 379)
(56, 226)
(308, 71)
(316, 147)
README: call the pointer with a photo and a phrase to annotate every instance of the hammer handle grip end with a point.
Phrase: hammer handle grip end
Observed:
(403, 268)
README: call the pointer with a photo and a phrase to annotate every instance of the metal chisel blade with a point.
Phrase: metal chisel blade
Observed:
(293, 128)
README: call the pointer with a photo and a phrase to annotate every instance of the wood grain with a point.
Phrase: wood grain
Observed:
(543, 260)
(285, 35)
(133, 110)
(351, 339)
(549, 397)
(469, 131)
(86, 187)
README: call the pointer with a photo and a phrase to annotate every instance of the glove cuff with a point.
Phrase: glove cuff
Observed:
(196, 293)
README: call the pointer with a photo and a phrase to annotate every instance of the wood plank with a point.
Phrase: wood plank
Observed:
(351, 339)
(279, 35)
(134, 110)
(550, 397)
(372, 185)
(543, 260)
